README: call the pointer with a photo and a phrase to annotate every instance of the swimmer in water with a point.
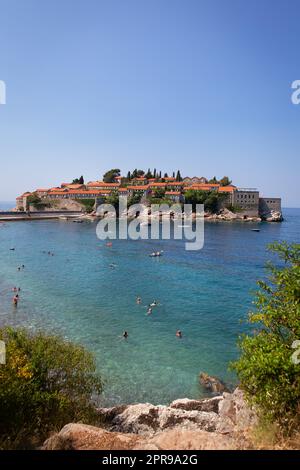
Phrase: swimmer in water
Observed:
(125, 335)
(178, 334)
(138, 300)
(19, 269)
(149, 311)
(154, 303)
(16, 300)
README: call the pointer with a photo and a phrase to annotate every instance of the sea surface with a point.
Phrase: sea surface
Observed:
(7, 205)
(206, 294)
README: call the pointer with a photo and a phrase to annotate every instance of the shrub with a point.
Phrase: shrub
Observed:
(268, 375)
(89, 204)
(45, 383)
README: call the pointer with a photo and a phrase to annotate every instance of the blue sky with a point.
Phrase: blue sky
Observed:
(199, 85)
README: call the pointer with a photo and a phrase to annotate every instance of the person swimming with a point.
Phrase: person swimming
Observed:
(138, 300)
(178, 334)
(154, 304)
(16, 300)
(125, 334)
(149, 311)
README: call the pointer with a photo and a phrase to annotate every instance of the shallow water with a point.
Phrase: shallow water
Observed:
(203, 293)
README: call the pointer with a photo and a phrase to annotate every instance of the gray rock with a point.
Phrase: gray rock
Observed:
(147, 419)
(234, 413)
(75, 436)
(209, 404)
(211, 383)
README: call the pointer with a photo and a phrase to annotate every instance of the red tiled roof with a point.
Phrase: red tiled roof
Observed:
(227, 189)
(101, 183)
(173, 193)
(140, 187)
(158, 184)
(75, 186)
(73, 191)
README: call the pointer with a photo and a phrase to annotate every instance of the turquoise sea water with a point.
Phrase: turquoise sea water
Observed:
(204, 293)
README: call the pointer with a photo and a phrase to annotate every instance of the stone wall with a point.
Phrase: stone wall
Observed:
(268, 204)
(247, 201)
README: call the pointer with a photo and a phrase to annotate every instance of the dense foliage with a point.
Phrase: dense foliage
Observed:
(110, 176)
(267, 368)
(79, 180)
(45, 383)
(210, 199)
(89, 204)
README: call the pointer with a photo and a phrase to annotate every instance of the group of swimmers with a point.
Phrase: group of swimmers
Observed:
(48, 253)
(16, 296)
(21, 267)
(149, 311)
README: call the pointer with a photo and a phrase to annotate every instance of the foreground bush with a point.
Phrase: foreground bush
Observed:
(45, 383)
(267, 368)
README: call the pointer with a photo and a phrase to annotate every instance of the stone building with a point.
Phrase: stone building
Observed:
(247, 200)
(267, 205)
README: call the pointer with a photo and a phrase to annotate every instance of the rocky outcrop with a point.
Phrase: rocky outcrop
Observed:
(274, 216)
(234, 414)
(209, 404)
(83, 437)
(213, 423)
(147, 419)
(212, 384)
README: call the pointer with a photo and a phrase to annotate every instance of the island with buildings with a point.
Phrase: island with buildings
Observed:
(222, 199)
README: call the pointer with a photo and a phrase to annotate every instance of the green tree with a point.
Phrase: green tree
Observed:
(134, 199)
(34, 199)
(158, 193)
(113, 199)
(45, 383)
(128, 176)
(266, 369)
(78, 180)
(214, 180)
(110, 176)
(225, 181)
(178, 176)
(149, 174)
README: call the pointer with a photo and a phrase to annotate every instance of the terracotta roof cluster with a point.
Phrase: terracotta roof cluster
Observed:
(95, 188)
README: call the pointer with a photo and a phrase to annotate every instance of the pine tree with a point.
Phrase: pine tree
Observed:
(178, 176)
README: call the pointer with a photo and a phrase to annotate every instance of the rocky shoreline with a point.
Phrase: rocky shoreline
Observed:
(220, 422)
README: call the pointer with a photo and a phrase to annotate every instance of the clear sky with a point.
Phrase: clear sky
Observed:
(199, 85)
